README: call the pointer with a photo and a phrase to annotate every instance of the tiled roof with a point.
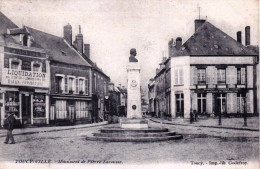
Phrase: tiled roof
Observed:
(209, 40)
(58, 49)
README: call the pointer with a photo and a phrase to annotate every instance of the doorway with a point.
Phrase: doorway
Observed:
(26, 109)
(179, 105)
(221, 103)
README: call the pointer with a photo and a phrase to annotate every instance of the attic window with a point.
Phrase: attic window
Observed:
(224, 36)
(226, 49)
(25, 40)
(216, 46)
(212, 36)
(63, 53)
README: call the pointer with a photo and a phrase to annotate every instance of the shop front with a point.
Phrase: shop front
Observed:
(24, 86)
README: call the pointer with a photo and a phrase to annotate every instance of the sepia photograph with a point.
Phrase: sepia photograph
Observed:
(129, 84)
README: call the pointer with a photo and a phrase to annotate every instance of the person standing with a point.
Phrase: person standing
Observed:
(9, 125)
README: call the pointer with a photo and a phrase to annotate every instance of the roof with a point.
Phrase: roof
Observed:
(58, 49)
(94, 65)
(209, 40)
(6, 23)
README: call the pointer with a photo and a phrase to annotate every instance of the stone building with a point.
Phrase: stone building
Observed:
(70, 92)
(99, 86)
(151, 97)
(24, 75)
(212, 73)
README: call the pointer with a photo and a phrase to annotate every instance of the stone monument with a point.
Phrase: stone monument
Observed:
(134, 111)
(133, 128)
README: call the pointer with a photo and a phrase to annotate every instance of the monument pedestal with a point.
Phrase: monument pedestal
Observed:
(134, 123)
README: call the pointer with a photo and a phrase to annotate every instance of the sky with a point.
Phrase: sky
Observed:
(113, 27)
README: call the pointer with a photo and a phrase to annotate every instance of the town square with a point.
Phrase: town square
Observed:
(173, 83)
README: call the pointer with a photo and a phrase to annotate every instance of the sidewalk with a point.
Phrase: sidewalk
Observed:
(227, 123)
(23, 131)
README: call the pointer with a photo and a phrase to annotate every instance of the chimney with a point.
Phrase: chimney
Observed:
(198, 23)
(178, 43)
(67, 33)
(78, 43)
(157, 71)
(87, 50)
(247, 34)
(239, 37)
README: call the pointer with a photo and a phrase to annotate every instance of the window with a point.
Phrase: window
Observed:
(81, 86)
(178, 76)
(201, 76)
(70, 84)
(241, 76)
(221, 76)
(202, 103)
(81, 109)
(36, 66)
(58, 84)
(15, 63)
(179, 105)
(240, 102)
(25, 40)
(61, 109)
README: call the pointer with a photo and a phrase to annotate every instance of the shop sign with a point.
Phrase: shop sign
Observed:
(17, 77)
(221, 90)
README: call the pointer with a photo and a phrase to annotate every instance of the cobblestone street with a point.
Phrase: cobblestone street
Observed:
(199, 144)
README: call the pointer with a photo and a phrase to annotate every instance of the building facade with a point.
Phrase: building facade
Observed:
(212, 74)
(24, 75)
(70, 98)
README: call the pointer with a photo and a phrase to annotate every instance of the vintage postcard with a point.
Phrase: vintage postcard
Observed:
(129, 84)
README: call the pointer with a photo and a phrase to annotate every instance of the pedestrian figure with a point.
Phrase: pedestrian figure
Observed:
(9, 125)
(191, 117)
(195, 115)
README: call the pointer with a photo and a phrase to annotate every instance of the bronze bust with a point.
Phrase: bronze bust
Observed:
(133, 54)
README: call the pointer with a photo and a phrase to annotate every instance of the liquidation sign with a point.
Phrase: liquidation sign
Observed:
(17, 77)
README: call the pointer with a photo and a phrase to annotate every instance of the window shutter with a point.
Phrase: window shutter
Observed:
(214, 75)
(228, 75)
(209, 103)
(195, 75)
(234, 75)
(181, 76)
(194, 101)
(77, 85)
(209, 73)
(234, 102)
(66, 84)
(86, 86)
(176, 76)
(229, 104)
(243, 75)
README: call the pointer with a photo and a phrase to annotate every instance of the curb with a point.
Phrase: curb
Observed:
(60, 129)
(248, 129)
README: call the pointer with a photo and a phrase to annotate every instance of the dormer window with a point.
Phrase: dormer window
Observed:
(15, 63)
(25, 40)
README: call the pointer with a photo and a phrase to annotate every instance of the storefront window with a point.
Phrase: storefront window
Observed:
(39, 105)
(12, 103)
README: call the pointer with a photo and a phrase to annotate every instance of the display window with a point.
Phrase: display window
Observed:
(39, 105)
(12, 102)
